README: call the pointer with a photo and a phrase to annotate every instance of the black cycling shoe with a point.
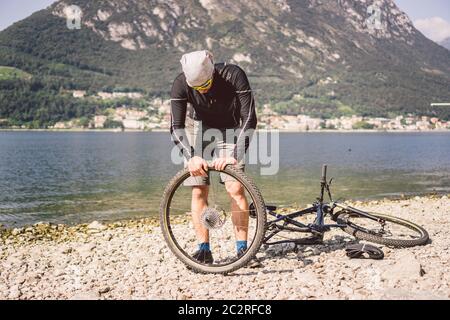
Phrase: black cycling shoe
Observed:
(253, 263)
(203, 256)
(241, 253)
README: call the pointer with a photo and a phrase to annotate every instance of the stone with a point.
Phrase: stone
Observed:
(58, 273)
(306, 277)
(89, 295)
(14, 292)
(17, 231)
(67, 250)
(346, 290)
(104, 290)
(21, 279)
(406, 267)
(86, 248)
(96, 226)
(108, 237)
(404, 294)
(41, 226)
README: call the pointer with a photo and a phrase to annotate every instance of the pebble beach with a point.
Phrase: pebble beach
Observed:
(130, 260)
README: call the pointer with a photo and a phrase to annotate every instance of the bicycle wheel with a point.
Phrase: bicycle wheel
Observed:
(221, 219)
(391, 231)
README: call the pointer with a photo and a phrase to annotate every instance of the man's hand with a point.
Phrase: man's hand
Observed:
(220, 163)
(198, 167)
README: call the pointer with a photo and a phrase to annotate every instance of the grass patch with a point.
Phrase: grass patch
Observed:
(10, 73)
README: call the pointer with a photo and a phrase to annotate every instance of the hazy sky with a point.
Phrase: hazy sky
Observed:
(420, 9)
(432, 17)
(15, 10)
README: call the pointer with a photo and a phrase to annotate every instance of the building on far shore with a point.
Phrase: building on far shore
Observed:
(99, 121)
(156, 115)
(79, 93)
(133, 124)
(117, 95)
(64, 125)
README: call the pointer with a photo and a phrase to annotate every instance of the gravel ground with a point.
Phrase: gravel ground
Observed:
(129, 260)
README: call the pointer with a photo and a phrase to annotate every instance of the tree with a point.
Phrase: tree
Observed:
(363, 125)
(84, 122)
(112, 124)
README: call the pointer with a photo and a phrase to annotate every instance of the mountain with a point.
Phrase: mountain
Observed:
(445, 43)
(302, 56)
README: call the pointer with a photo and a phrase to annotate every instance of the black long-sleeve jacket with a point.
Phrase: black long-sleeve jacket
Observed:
(228, 104)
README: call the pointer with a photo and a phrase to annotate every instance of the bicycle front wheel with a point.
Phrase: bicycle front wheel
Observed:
(224, 219)
(389, 230)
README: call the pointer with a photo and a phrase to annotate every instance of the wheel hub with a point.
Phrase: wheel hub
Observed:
(213, 218)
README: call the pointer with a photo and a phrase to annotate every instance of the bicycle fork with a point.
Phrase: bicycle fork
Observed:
(319, 223)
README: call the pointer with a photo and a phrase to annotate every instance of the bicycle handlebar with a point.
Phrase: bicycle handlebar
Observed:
(324, 172)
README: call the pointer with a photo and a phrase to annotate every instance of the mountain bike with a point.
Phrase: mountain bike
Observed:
(265, 224)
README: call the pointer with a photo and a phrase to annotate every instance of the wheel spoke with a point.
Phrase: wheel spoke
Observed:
(387, 230)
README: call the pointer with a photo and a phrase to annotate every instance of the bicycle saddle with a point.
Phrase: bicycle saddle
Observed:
(358, 250)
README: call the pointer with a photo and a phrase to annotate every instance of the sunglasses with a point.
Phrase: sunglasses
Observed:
(204, 86)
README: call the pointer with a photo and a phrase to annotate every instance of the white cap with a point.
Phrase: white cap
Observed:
(198, 67)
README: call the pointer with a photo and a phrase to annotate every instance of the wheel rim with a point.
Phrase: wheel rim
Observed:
(394, 228)
(182, 226)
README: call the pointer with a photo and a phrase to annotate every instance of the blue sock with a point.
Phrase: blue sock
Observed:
(241, 245)
(204, 246)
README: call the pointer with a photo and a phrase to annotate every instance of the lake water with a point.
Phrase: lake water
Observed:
(79, 177)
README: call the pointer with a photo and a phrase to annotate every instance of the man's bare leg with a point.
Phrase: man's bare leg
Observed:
(240, 217)
(239, 207)
(198, 205)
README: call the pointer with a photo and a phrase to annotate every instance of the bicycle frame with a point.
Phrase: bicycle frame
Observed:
(320, 208)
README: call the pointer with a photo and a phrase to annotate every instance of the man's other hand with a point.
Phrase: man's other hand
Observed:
(198, 167)
(220, 163)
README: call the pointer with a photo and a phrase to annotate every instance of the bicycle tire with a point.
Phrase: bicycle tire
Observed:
(254, 247)
(359, 233)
